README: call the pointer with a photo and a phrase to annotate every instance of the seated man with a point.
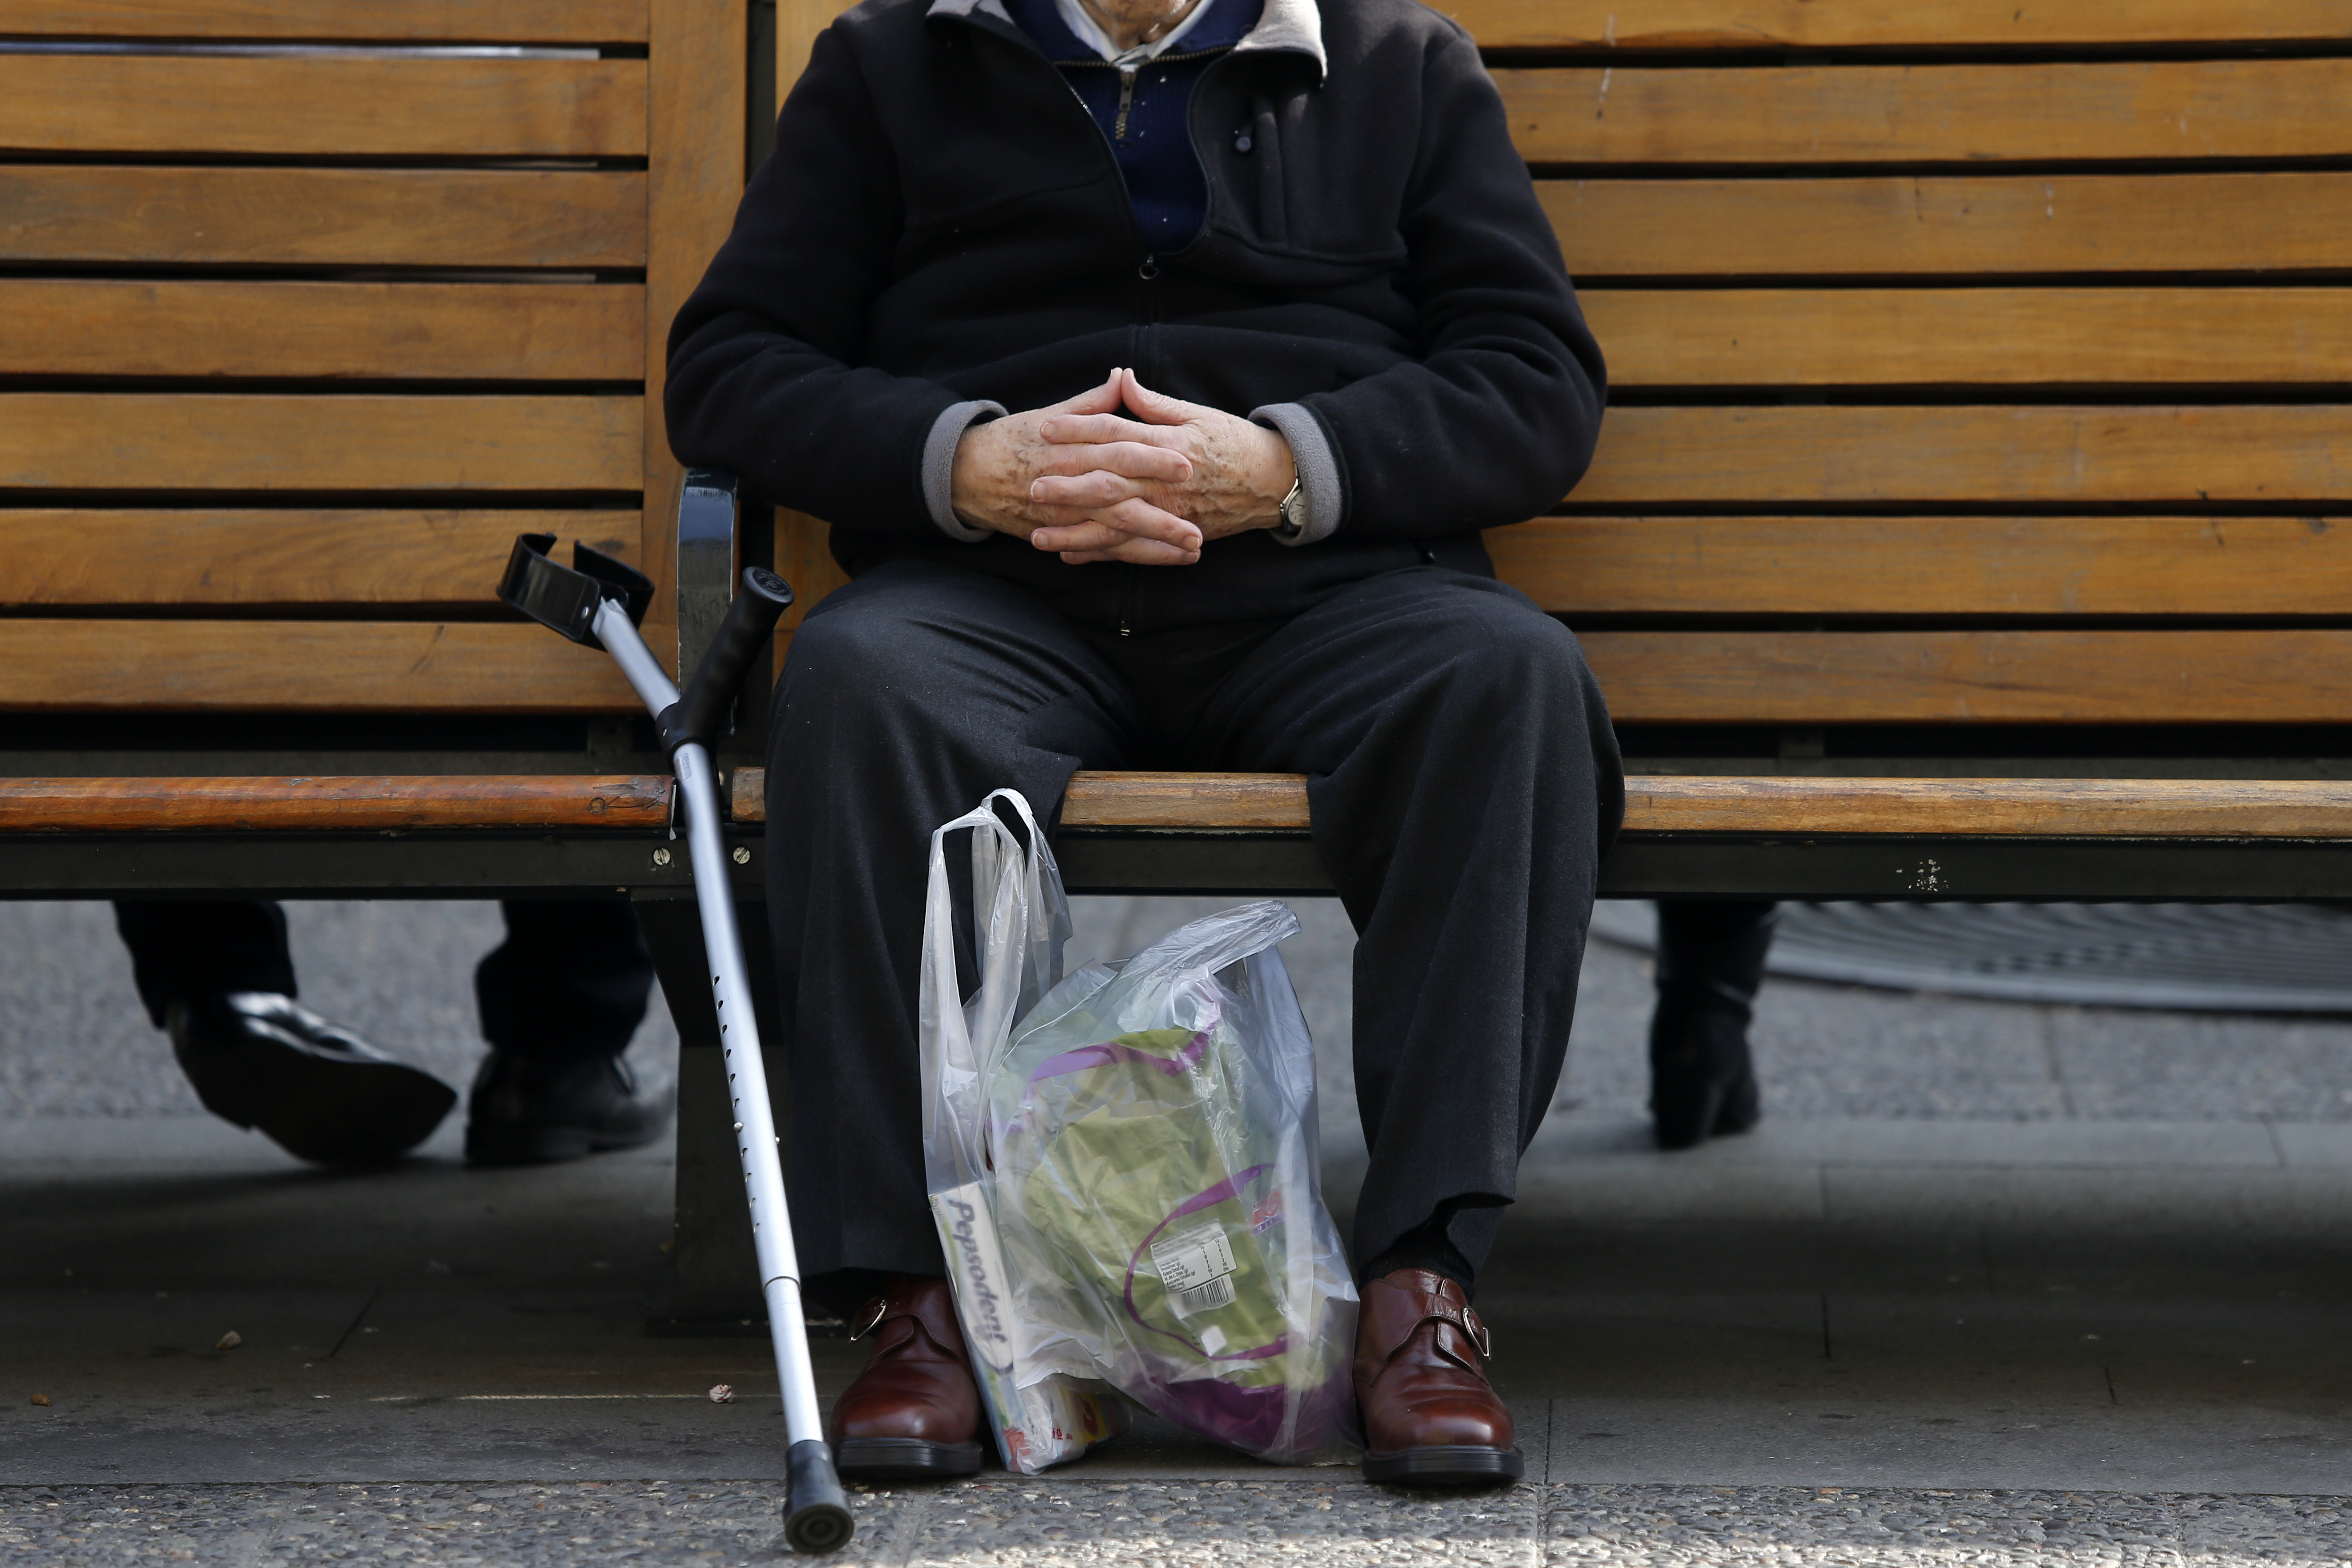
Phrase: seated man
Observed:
(1157, 363)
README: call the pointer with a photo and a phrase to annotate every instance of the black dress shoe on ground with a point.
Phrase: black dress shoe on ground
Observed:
(1702, 1079)
(1711, 959)
(527, 1112)
(260, 1059)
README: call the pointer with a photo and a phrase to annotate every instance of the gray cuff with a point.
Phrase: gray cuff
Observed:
(1318, 469)
(939, 465)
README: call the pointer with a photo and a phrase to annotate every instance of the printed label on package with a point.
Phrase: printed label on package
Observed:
(1196, 1266)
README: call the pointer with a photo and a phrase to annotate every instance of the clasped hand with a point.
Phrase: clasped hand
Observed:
(1088, 482)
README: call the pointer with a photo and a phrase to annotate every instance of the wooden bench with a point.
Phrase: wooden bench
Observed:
(306, 308)
(1968, 521)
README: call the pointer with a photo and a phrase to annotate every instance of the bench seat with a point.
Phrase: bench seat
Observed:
(1724, 835)
(560, 801)
(2011, 808)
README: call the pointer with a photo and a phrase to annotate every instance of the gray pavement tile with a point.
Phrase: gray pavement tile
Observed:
(1042, 1522)
(2191, 1204)
(1664, 1526)
(2132, 1064)
(1034, 1523)
(1638, 1187)
(2267, 1529)
(1881, 1141)
(1304, 1521)
(2314, 1144)
(73, 1039)
(523, 1524)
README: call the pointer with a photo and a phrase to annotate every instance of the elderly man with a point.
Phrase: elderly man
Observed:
(1157, 363)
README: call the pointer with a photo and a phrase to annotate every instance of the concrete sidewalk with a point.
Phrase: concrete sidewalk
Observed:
(1994, 1283)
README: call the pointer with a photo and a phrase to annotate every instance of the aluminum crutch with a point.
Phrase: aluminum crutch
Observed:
(599, 602)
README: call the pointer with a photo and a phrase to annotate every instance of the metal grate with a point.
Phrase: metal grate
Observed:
(2239, 958)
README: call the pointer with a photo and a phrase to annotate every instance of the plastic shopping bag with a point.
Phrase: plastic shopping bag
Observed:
(1153, 1133)
(1040, 1415)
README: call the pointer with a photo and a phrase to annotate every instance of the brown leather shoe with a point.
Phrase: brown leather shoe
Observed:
(1430, 1419)
(914, 1411)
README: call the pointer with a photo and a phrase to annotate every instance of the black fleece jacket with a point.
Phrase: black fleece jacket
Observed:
(942, 221)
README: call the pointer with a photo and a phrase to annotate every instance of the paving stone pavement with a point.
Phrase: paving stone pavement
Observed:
(1976, 1244)
(1045, 1524)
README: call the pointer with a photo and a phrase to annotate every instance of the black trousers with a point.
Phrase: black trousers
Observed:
(1463, 780)
(570, 982)
(1719, 945)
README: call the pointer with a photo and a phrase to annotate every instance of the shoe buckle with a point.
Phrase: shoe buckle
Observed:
(871, 1317)
(1476, 1326)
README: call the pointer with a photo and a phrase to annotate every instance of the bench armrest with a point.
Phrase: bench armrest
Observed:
(707, 512)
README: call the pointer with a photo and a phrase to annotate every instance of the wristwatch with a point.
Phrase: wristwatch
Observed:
(1294, 512)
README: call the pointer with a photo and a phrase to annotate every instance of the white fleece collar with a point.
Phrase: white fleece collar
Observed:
(1293, 25)
(1089, 32)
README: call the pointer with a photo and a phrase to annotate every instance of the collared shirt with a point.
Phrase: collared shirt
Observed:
(1087, 31)
(1139, 99)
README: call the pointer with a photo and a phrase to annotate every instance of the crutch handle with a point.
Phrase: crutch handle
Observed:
(701, 713)
(816, 1518)
(566, 598)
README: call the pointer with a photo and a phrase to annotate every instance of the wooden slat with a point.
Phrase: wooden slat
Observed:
(134, 441)
(58, 556)
(2025, 456)
(1959, 225)
(459, 331)
(2066, 809)
(1839, 114)
(1972, 337)
(404, 21)
(309, 666)
(1930, 566)
(694, 179)
(2138, 808)
(1974, 677)
(1978, 337)
(336, 805)
(323, 217)
(1224, 801)
(1182, 800)
(322, 107)
(1891, 23)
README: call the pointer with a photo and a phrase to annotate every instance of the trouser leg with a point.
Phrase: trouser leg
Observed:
(569, 984)
(181, 950)
(1463, 781)
(1717, 946)
(906, 697)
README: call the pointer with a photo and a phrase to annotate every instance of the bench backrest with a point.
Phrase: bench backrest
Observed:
(1972, 363)
(308, 307)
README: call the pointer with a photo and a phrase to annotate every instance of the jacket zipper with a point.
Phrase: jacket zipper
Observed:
(1128, 73)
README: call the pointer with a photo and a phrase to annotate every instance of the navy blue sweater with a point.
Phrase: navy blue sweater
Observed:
(1145, 120)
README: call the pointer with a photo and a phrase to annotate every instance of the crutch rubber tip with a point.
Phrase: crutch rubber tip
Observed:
(818, 1517)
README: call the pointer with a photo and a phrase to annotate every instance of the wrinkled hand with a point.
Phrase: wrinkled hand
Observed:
(1114, 471)
(1000, 464)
